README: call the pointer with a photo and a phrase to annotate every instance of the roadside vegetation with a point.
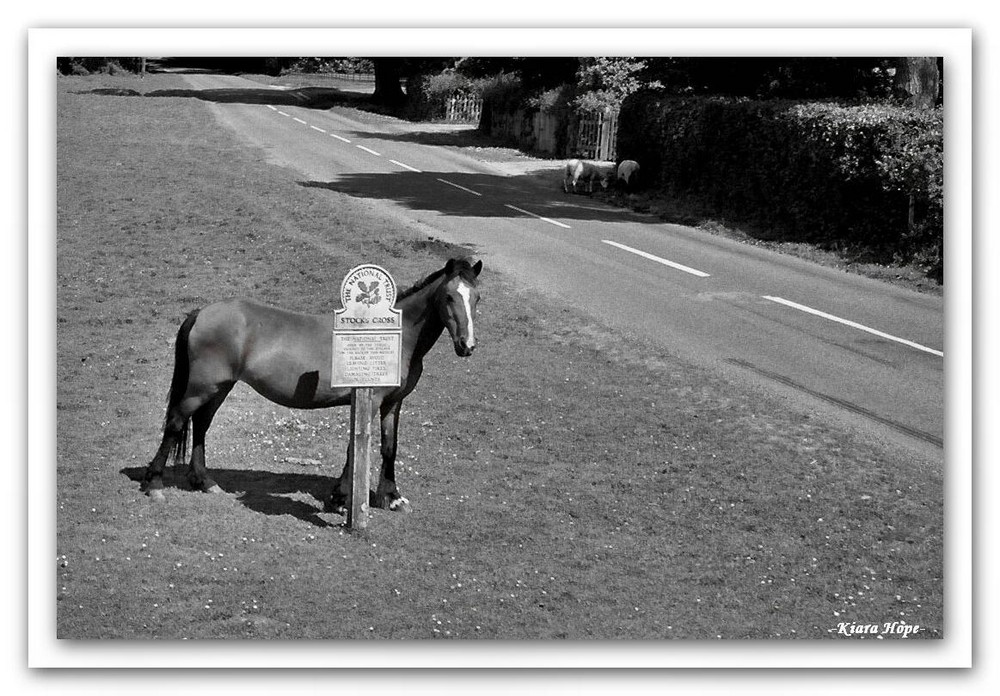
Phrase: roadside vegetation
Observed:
(567, 482)
(838, 160)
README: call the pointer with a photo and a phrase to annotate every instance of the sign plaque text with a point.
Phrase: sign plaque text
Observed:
(367, 331)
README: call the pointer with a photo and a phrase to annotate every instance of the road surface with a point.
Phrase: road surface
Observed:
(860, 352)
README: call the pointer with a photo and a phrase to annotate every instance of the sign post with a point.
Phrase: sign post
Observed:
(367, 353)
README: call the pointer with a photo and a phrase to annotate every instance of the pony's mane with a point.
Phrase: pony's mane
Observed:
(462, 267)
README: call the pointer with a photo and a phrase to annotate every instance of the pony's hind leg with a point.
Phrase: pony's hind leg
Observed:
(179, 410)
(201, 420)
(174, 440)
(340, 495)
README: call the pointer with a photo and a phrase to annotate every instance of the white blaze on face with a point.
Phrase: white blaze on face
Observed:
(466, 293)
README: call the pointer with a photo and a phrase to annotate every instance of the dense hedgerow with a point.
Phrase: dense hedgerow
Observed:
(864, 176)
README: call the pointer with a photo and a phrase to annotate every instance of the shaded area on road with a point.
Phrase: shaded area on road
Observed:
(306, 97)
(539, 193)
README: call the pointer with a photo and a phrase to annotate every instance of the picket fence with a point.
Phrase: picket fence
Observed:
(464, 108)
(355, 77)
(596, 136)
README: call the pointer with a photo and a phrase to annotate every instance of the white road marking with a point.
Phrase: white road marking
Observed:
(334, 135)
(318, 128)
(406, 166)
(299, 120)
(370, 151)
(467, 190)
(665, 262)
(854, 325)
(528, 212)
(272, 108)
(282, 112)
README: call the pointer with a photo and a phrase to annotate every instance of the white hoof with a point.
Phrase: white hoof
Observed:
(156, 496)
(215, 489)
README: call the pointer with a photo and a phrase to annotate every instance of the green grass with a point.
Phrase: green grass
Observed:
(562, 487)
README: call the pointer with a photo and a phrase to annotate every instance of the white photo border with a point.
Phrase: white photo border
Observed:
(954, 44)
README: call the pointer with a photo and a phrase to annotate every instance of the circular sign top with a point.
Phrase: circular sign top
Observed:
(368, 285)
(368, 295)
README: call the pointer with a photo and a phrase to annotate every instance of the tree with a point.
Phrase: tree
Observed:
(762, 77)
(537, 73)
(388, 72)
(603, 83)
(918, 81)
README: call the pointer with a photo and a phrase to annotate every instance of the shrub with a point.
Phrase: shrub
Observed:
(866, 176)
(90, 65)
(502, 94)
(427, 95)
(332, 65)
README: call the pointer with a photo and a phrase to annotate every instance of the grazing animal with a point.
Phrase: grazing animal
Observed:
(628, 174)
(287, 357)
(578, 170)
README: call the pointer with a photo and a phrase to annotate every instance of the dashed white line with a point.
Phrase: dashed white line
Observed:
(467, 190)
(272, 108)
(406, 166)
(368, 150)
(852, 324)
(282, 112)
(334, 135)
(665, 262)
(299, 120)
(318, 128)
(528, 212)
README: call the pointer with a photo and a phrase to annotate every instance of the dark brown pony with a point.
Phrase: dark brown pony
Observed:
(287, 357)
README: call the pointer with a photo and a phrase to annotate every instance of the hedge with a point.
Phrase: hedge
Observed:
(869, 176)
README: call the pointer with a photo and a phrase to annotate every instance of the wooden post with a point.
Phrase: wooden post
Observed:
(361, 438)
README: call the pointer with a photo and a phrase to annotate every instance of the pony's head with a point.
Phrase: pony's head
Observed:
(457, 297)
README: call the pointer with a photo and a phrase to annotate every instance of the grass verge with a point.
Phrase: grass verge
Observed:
(563, 487)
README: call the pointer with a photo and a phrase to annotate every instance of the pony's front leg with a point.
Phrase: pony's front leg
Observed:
(387, 495)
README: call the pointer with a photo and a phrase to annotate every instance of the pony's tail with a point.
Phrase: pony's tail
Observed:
(178, 385)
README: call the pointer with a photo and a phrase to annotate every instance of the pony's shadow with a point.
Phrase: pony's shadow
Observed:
(265, 492)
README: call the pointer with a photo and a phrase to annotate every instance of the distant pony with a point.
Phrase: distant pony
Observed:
(578, 170)
(628, 174)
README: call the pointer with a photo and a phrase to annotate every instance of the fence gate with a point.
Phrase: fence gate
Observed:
(596, 136)
(465, 108)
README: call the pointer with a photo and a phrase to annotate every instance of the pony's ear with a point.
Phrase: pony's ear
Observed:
(449, 267)
(478, 268)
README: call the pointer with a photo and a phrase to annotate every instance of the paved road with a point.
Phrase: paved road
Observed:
(859, 352)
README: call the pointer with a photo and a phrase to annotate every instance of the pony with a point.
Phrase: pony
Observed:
(287, 357)
(578, 170)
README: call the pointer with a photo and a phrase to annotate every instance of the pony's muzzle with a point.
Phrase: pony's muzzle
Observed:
(464, 347)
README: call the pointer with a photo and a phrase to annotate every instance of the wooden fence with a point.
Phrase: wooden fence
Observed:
(355, 77)
(596, 136)
(590, 136)
(464, 108)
